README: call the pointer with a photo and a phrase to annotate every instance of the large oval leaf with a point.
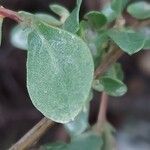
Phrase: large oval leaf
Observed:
(59, 72)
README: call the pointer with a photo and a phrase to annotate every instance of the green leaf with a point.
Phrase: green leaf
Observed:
(86, 141)
(96, 19)
(54, 146)
(96, 41)
(115, 71)
(61, 11)
(1, 23)
(111, 81)
(129, 42)
(79, 124)
(109, 141)
(111, 86)
(72, 22)
(19, 35)
(59, 73)
(48, 19)
(139, 10)
(118, 5)
(109, 13)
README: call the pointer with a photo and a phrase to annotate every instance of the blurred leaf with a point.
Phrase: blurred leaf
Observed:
(86, 141)
(139, 10)
(145, 33)
(118, 5)
(72, 22)
(97, 85)
(61, 11)
(54, 146)
(1, 23)
(129, 42)
(111, 86)
(79, 124)
(108, 137)
(48, 19)
(19, 35)
(59, 73)
(111, 81)
(109, 13)
(96, 41)
(115, 71)
(96, 19)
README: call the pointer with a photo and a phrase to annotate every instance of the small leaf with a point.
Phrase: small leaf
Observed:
(72, 22)
(109, 13)
(59, 73)
(48, 19)
(96, 19)
(79, 124)
(139, 10)
(129, 42)
(118, 5)
(61, 11)
(113, 87)
(111, 81)
(1, 23)
(19, 35)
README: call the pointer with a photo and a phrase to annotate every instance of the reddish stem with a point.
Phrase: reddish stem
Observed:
(102, 111)
(10, 14)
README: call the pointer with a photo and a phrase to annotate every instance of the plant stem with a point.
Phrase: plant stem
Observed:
(110, 58)
(33, 135)
(10, 14)
(102, 111)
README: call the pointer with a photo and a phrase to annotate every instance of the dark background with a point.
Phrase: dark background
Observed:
(130, 114)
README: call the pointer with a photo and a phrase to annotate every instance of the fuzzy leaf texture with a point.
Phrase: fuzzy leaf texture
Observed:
(59, 71)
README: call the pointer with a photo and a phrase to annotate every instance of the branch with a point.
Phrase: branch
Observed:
(10, 14)
(102, 111)
(110, 58)
(33, 135)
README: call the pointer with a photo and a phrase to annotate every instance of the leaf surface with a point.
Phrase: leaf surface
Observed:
(96, 19)
(72, 22)
(129, 42)
(139, 10)
(59, 72)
